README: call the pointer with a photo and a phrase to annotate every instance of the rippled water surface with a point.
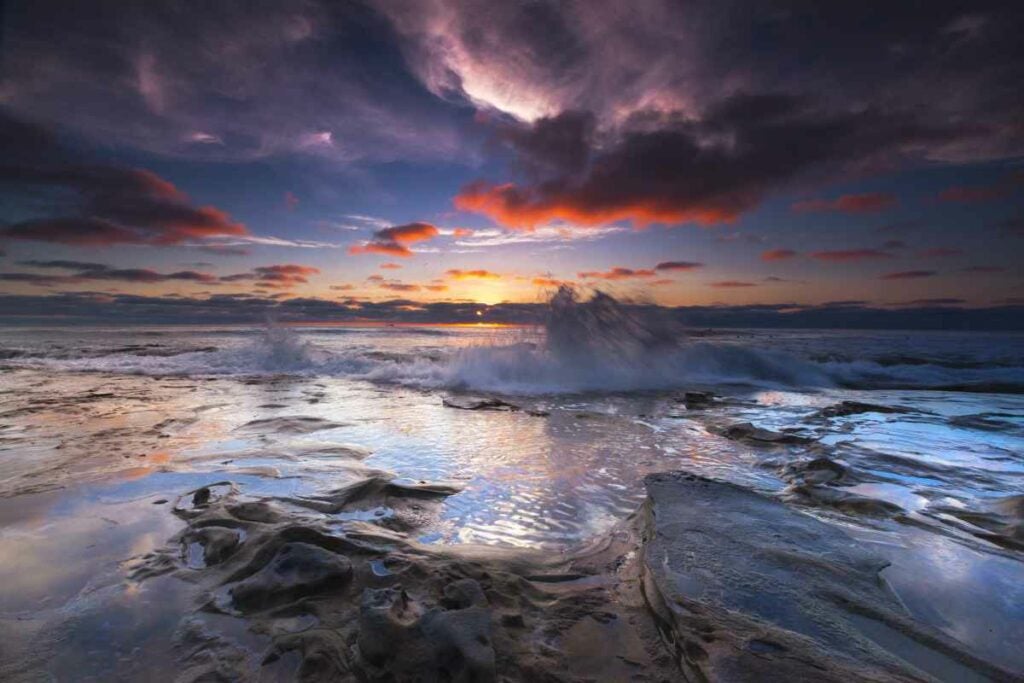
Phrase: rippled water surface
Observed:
(101, 430)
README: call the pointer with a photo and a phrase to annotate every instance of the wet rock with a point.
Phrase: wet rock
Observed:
(474, 403)
(294, 424)
(817, 471)
(399, 638)
(999, 521)
(296, 571)
(850, 503)
(696, 400)
(201, 497)
(847, 408)
(464, 593)
(255, 511)
(747, 589)
(746, 432)
(218, 543)
(380, 490)
(988, 422)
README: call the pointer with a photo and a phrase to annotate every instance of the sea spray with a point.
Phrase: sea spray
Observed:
(591, 343)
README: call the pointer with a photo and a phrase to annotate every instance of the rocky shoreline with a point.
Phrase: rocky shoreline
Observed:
(707, 581)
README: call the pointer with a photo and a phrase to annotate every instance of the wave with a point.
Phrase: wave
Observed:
(595, 344)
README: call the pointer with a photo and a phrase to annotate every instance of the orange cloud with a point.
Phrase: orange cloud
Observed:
(436, 288)
(548, 282)
(390, 266)
(395, 241)
(729, 284)
(618, 273)
(870, 202)
(382, 248)
(462, 232)
(400, 287)
(778, 254)
(848, 255)
(521, 209)
(457, 274)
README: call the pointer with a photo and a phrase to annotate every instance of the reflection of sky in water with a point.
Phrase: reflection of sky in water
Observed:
(975, 597)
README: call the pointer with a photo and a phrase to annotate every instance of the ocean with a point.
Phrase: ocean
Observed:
(545, 433)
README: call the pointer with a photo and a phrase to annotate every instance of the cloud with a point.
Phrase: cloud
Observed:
(732, 284)
(533, 61)
(395, 241)
(221, 249)
(343, 288)
(666, 168)
(620, 273)
(909, 275)
(778, 254)
(249, 81)
(83, 271)
(871, 202)
(436, 288)
(390, 266)
(894, 244)
(400, 287)
(109, 204)
(678, 265)
(849, 255)
(548, 282)
(617, 273)
(457, 274)
(556, 234)
(284, 276)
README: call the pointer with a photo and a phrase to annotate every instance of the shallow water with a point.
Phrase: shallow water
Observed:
(98, 426)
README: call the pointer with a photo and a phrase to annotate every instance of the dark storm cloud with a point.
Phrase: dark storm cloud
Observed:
(233, 80)
(665, 168)
(92, 307)
(98, 205)
(694, 112)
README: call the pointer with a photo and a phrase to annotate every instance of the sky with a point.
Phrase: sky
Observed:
(439, 160)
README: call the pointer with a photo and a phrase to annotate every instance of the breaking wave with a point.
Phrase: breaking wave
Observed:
(586, 344)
